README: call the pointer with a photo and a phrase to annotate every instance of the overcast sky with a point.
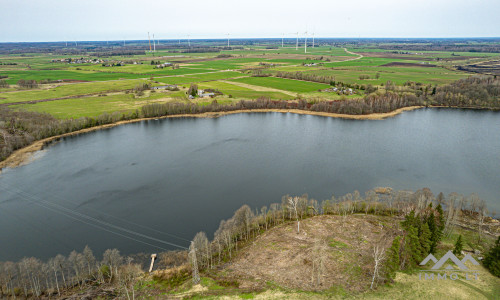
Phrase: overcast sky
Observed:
(60, 20)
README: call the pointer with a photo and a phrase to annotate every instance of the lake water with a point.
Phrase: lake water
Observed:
(171, 178)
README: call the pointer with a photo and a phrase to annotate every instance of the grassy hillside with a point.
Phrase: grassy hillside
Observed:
(280, 263)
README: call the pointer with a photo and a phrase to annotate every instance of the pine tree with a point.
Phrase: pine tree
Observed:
(458, 246)
(440, 217)
(392, 263)
(413, 245)
(492, 259)
(410, 220)
(435, 234)
(425, 239)
(412, 248)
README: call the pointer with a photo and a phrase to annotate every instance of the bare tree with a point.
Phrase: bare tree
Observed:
(89, 258)
(292, 203)
(55, 267)
(112, 258)
(481, 214)
(378, 257)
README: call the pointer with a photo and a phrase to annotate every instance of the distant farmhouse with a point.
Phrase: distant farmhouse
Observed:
(203, 94)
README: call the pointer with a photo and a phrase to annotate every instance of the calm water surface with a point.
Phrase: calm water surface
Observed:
(180, 176)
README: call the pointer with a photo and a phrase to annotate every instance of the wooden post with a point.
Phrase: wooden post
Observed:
(153, 257)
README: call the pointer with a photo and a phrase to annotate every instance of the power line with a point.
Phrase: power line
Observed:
(120, 219)
(67, 212)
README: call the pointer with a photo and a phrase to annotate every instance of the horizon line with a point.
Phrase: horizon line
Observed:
(253, 38)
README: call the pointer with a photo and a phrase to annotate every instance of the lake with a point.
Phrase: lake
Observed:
(151, 185)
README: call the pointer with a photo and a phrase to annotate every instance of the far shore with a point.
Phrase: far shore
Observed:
(24, 155)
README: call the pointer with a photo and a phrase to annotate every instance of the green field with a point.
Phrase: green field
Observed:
(228, 71)
(283, 84)
(199, 77)
(14, 76)
(399, 75)
(68, 90)
(93, 106)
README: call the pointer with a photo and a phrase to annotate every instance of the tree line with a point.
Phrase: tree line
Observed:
(33, 278)
(20, 128)
(425, 223)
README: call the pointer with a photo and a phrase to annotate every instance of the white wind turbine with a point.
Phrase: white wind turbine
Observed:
(313, 39)
(297, 42)
(282, 38)
(227, 39)
(189, 42)
(305, 42)
(149, 42)
(154, 43)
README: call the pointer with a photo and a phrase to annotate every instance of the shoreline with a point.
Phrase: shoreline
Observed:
(23, 156)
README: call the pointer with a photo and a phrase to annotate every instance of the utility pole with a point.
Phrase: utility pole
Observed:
(194, 263)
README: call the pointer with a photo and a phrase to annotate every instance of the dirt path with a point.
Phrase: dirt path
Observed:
(359, 55)
(259, 88)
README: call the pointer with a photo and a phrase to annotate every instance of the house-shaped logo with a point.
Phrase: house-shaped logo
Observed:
(438, 264)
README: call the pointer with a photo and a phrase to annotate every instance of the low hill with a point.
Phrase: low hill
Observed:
(331, 257)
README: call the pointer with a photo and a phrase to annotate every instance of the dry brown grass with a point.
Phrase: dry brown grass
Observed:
(284, 258)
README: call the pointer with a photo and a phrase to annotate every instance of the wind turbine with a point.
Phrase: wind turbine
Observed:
(149, 40)
(313, 39)
(305, 43)
(154, 43)
(282, 38)
(297, 42)
(189, 42)
(227, 39)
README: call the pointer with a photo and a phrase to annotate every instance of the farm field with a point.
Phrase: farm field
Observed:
(79, 75)
(398, 75)
(97, 105)
(68, 90)
(89, 89)
(283, 84)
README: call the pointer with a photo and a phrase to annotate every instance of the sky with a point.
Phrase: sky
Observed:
(61, 20)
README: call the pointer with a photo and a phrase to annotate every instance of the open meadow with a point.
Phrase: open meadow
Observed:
(90, 83)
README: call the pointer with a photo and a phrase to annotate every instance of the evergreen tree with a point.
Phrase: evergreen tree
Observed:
(440, 218)
(413, 249)
(425, 239)
(410, 221)
(392, 263)
(492, 259)
(458, 246)
(435, 234)
(193, 90)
